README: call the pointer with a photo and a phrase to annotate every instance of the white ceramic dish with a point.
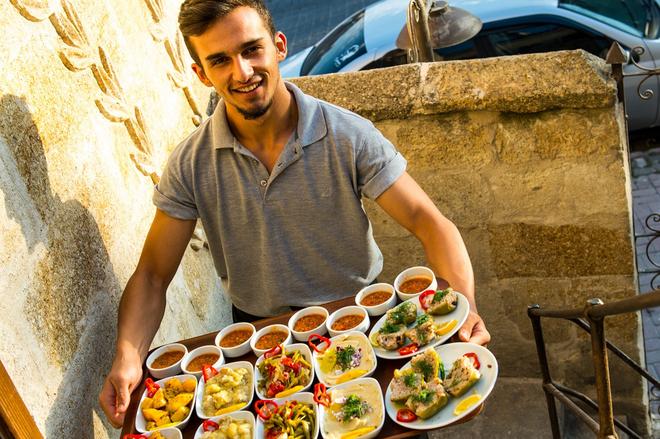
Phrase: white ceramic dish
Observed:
(302, 336)
(296, 347)
(363, 326)
(208, 349)
(243, 415)
(172, 370)
(448, 354)
(369, 351)
(414, 272)
(304, 397)
(270, 328)
(238, 350)
(199, 398)
(168, 433)
(459, 314)
(141, 423)
(380, 309)
(368, 383)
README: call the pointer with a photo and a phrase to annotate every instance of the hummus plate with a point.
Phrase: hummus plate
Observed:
(349, 356)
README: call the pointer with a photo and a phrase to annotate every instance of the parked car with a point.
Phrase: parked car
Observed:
(367, 39)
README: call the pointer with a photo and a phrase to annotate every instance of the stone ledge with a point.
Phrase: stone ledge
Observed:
(519, 84)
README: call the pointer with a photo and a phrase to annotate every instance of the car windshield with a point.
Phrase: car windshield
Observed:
(338, 48)
(636, 17)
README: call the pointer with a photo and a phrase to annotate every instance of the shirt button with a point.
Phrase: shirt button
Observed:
(263, 183)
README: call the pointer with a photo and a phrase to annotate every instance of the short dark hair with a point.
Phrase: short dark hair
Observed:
(196, 16)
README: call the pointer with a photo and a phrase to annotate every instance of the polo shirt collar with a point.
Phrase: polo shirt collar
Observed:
(311, 121)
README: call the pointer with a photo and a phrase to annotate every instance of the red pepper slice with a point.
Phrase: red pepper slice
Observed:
(134, 436)
(208, 371)
(209, 425)
(321, 395)
(274, 389)
(321, 339)
(152, 387)
(474, 358)
(405, 415)
(422, 299)
(408, 349)
(277, 350)
(265, 408)
(288, 362)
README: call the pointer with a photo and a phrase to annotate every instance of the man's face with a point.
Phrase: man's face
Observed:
(240, 60)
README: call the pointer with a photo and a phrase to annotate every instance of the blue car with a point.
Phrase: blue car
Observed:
(367, 40)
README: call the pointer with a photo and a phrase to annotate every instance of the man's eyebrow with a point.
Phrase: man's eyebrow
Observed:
(242, 47)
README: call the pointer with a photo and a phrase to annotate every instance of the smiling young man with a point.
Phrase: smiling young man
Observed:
(276, 178)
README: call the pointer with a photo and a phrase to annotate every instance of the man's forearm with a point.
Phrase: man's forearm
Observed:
(140, 312)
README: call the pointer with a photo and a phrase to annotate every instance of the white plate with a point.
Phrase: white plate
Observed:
(200, 387)
(448, 354)
(370, 351)
(305, 397)
(246, 416)
(375, 388)
(306, 353)
(168, 433)
(459, 314)
(141, 423)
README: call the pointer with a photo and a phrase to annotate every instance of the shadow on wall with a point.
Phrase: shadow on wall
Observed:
(73, 299)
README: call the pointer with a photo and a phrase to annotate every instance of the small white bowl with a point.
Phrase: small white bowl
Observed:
(242, 415)
(307, 355)
(380, 309)
(363, 326)
(141, 423)
(304, 335)
(199, 399)
(414, 272)
(305, 397)
(208, 349)
(170, 370)
(270, 328)
(168, 433)
(374, 388)
(238, 350)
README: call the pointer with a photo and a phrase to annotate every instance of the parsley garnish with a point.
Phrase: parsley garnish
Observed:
(424, 396)
(354, 407)
(345, 357)
(410, 380)
(423, 318)
(389, 328)
(426, 369)
(437, 297)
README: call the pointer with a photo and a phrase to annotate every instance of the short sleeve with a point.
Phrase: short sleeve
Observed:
(379, 164)
(174, 194)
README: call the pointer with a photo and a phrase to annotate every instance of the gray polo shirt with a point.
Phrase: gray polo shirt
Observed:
(299, 235)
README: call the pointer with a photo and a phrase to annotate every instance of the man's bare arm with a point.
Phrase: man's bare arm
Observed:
(141, 309)
(445, 250)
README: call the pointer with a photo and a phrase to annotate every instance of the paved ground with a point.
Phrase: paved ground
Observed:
(304, 22)
(645, 169)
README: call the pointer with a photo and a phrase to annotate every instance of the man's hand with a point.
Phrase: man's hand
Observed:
(474, 330)
(115, 396)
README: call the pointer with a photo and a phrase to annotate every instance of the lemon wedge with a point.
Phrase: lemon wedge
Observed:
(446, 327)
(349, 375)
(231, 408)
(288, 392)
(373, 338)
(467, 403)
(357, 433)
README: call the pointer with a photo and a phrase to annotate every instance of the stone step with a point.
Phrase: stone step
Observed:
(515, 409)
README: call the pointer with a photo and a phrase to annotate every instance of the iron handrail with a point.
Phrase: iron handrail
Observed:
(591, 318)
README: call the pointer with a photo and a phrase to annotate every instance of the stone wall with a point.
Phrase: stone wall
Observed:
(527, 156)
(82, 135)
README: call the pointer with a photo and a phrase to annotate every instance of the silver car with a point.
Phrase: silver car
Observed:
(367, 40)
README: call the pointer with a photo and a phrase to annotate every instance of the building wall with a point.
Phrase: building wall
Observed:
(526, 155)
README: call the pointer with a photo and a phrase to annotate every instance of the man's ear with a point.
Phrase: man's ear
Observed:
(199, 71)
(280, 46)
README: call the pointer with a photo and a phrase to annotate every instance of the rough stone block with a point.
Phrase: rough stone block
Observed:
(534, 250)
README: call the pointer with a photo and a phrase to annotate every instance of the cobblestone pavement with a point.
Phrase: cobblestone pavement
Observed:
(304, 22)
(645, 170)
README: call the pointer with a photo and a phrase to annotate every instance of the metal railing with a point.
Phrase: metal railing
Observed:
(591, 318)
